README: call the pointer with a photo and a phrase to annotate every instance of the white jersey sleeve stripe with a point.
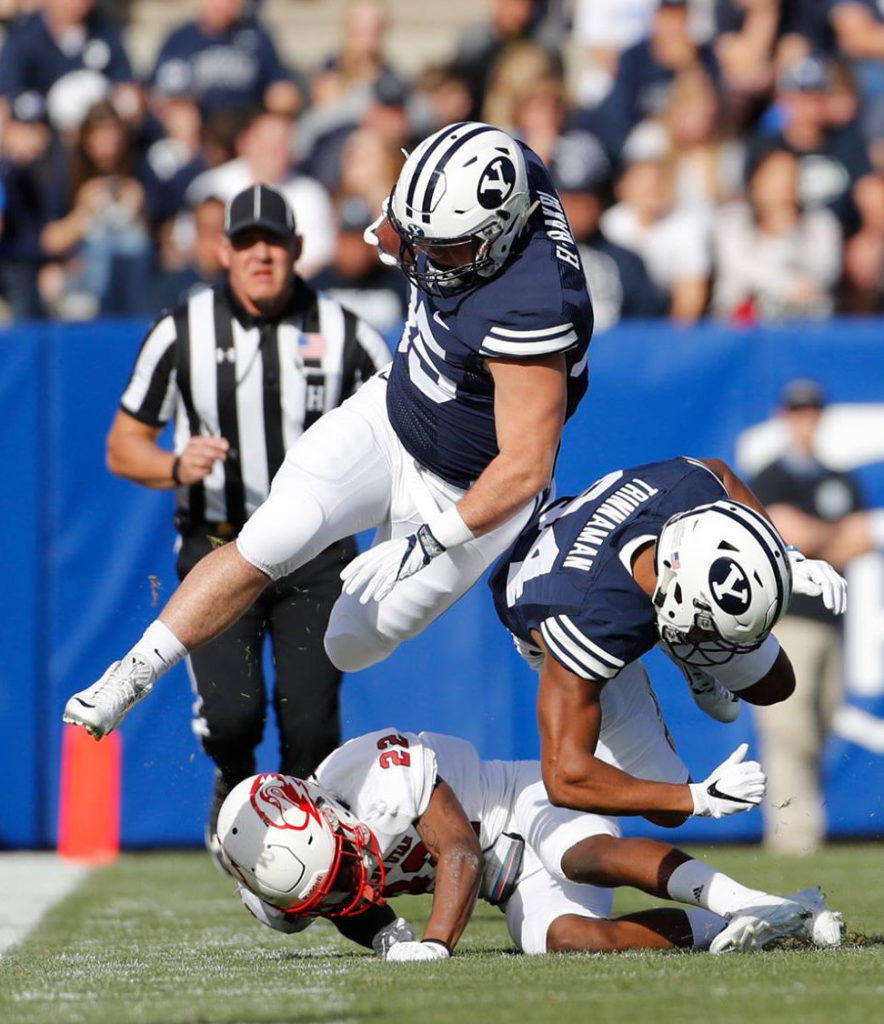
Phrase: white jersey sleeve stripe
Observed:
(540, 332)
(561, 654)
(591, 667)
(592, 648)
(496, 346)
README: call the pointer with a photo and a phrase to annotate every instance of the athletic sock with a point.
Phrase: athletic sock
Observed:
(160, 648)
(703, 886)
(705, 926)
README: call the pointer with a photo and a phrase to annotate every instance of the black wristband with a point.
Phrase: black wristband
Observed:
(176, 465)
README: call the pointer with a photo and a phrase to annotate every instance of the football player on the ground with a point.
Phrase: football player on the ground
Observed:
(392, 812)
(446, 452)
(677, 552)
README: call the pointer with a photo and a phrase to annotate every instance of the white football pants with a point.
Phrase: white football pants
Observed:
(347, 473)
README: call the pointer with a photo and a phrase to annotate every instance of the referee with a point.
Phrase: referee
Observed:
(244, 368)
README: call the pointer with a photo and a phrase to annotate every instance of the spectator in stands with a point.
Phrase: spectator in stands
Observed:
(835, 173)
(524, 74)
(226, 57)
(672, 242)
(65, 49)
(746, 33)
(510, 23)
(617, 278)
(176, 157)
(858, 26)
(773, 259)
(359, 61)
(441, 96)
(705, 167)
(603, 29)
(818, 509)
(646, 71)
(264, 156)
(188, 254)
(369, 168)
(100, 244)
(26, 174)
(358, 280)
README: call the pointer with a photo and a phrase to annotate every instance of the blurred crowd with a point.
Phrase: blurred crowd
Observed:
(716, 158)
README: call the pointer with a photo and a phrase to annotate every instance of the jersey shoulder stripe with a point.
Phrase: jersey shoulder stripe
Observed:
(572, 654)
(592, 648)
(504, 342)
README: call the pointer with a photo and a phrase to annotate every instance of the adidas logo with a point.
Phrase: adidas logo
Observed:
(697, 892)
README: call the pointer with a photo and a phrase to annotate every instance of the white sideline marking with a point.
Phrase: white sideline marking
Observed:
(30, 883)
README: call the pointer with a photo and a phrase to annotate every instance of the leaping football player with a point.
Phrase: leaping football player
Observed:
(396, 812)
(446, 452)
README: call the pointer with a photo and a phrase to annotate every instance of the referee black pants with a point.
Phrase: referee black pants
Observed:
(229, 675)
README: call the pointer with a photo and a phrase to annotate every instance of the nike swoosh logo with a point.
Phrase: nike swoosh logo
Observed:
(440, 321)
(713, 790)
(85, 705)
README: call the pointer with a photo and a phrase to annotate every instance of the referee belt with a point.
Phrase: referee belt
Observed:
(224, 531)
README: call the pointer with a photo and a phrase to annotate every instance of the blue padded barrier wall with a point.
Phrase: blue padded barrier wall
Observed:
(88, 560)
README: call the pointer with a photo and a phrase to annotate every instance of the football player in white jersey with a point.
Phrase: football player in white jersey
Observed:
(396, 812)
(446, 452)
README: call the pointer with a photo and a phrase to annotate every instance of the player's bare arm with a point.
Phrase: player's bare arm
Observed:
(569, 714)
(529, 411)
(448, 835)
(133, 453)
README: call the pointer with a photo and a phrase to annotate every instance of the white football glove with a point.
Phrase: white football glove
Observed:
(816, 578)
(734, 786)
(375, 572)
(531, 653)
(370, 236)
(397, 931)
(409, 952)
(271, 916)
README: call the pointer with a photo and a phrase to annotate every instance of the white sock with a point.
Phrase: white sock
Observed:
(703, 886)
(705, 926)
(160, 648)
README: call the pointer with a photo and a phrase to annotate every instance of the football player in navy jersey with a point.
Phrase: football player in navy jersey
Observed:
(677, 552)
(446, 452)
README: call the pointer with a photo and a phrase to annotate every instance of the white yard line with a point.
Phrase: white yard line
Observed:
(30, 883)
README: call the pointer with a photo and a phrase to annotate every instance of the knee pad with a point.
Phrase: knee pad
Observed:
(352, 641)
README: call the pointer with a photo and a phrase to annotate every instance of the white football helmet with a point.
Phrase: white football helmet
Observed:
(723, 581)
(298, 849)
(459, 205)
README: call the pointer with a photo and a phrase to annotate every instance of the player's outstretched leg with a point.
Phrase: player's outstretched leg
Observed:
(664, 928)
(753, 918)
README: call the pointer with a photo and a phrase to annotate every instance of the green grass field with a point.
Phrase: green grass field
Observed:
(160, 939)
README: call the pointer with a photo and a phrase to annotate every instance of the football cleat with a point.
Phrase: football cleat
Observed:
(802, 916)
(100, 708)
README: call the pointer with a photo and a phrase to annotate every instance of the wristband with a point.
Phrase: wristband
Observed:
(176, 465)
(449, 528)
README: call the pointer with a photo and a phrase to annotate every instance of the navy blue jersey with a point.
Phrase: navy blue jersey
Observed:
(569, 573)
(32, 59)
(440, 398)
(226, 69)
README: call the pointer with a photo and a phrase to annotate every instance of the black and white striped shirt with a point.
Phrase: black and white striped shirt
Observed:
(259, 383)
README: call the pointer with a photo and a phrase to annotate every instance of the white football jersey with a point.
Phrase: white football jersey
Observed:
(386, 779)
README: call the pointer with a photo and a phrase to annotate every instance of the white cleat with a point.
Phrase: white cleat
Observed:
(802, 916)
(100, 708)
(711, 696)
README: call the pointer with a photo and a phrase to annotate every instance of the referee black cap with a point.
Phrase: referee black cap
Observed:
(259, 206)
